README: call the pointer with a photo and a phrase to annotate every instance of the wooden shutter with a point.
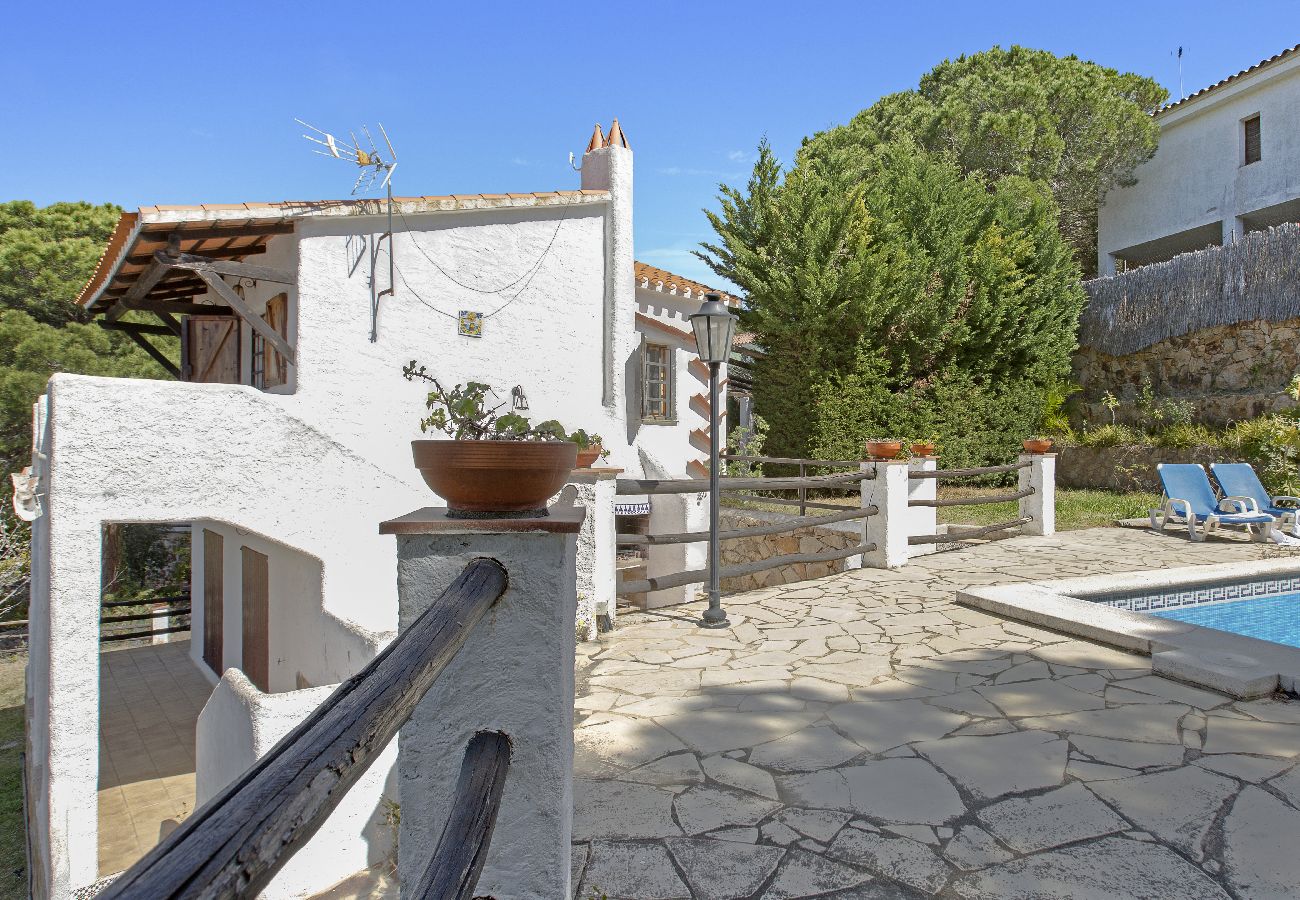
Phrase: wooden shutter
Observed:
(1251, 129)
(213, 599)
(257, 619)
(213, 349)
(275, 370)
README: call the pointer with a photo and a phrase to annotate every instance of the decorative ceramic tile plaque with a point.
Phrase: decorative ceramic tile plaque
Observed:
(470, 323)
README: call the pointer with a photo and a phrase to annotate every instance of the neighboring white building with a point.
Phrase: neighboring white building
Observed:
(1228, 162)
(285, 442)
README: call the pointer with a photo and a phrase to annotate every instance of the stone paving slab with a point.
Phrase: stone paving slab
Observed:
(861, 736)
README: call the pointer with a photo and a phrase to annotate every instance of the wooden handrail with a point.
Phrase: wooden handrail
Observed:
(690, 537)
(964, 534)
(140, 617)
(235, 843)
(959, 473)
(151, 601)
(974, 501)
(110, 636)
(699, 576)
(457, 861)
(693, 485)
(781, 501)
(790, 460)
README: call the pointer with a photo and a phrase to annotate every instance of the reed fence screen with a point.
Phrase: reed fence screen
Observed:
(1255, 278)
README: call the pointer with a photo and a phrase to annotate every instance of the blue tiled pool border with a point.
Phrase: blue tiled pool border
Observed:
(1193, 595)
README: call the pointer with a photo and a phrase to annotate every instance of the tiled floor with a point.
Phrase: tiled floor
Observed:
(150, 698)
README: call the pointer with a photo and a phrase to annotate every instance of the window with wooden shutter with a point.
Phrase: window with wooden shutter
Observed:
(270, 368)
(657, 384)
(1250, 133)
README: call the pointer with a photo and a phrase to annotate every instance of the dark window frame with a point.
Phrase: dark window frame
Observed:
(1252, 147)
(666, 372)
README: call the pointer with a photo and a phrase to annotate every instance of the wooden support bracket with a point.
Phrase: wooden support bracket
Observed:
(256, 322)
(201, 264)
(137, 334)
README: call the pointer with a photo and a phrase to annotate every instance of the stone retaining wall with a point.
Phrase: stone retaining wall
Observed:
(1126, 467)
(1230, 372)
(802, 540)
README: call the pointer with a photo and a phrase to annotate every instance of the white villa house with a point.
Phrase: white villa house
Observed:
(284, 436)
(1228, 163)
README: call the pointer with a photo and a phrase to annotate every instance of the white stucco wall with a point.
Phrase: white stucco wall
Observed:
(238, 725)
(1196, 177)
(115, 455)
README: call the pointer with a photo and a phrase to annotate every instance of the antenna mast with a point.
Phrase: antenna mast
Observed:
(374, 168)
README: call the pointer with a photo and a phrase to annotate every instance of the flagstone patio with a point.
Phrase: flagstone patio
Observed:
(862, 736)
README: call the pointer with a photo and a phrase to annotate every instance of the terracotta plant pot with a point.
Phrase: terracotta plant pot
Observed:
(1037, 445)
(884, 449)
(587, 458)
(495, 479)
(923, 449)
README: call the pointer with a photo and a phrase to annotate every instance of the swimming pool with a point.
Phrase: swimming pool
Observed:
(1264, 608)
(1275, 619)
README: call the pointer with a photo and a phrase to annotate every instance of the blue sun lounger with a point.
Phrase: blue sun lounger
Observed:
(1189, 497)
(1240, 480)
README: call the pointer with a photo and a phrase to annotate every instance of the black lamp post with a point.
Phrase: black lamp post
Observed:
(714, 328)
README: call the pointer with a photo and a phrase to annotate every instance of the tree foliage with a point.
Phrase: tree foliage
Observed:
(48, 253)
(893, 296)
(1075, 126)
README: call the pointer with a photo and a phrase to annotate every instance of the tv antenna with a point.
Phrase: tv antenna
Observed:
(374, 168)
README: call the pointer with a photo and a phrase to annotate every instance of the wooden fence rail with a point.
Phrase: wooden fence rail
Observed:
(699, 486)
(233, 845)
(965, 533)
(973, 501)
(699, 576)
(690, 537)
(961, 473)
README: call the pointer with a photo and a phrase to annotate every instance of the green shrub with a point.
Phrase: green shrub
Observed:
(1184, 436)
(1272, 445)
(1111, 436)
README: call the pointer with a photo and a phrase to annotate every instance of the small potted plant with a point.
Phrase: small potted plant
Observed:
(1037, 444)
(923, 447)
(884, 449)
(590, 448)
(494, 465)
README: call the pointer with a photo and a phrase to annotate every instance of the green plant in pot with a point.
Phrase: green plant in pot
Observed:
(590, 448)
(494, 464)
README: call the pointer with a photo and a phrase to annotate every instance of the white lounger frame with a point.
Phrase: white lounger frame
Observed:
(1168, 512)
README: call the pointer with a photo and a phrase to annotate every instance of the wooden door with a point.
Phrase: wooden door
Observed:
(256, 619)
(213, 599)
(212, 349)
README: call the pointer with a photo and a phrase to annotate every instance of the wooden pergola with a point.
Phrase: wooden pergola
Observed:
(162, 267)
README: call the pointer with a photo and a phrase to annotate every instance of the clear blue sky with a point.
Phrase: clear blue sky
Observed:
(188, 103)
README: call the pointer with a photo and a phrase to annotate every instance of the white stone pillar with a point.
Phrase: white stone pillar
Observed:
(160, 621)
(1040, 506)
(514, 674)
(922, 519)
(887, 529)
(594, 489)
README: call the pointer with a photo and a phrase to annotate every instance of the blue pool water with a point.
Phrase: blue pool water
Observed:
(1275, 618)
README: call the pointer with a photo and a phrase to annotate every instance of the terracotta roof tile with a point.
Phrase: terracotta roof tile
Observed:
(1277, 57)
(653, 278)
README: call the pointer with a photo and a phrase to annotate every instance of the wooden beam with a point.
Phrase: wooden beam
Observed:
(200, 264)
(256, 322)
(163, 236)
(215, 253)
(139, 338)
(170, 321)
(137, 327)
(143, 285)
(184, 309)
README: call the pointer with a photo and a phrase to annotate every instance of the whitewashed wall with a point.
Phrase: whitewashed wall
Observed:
(1196, 177)
(113, 456)
(238, 725)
